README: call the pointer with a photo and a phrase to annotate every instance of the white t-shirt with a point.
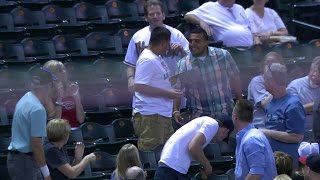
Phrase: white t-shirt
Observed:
(270, 22)
(175, 152)
(231, 28)
(144, 35)
(153, 71)
(301, 88)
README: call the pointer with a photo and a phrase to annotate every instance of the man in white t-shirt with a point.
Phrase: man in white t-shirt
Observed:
(225, 21)
(154, 15)
(187, 144)
(154, 95)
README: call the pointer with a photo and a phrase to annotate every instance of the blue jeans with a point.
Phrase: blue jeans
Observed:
(169, 174)
(23, 167)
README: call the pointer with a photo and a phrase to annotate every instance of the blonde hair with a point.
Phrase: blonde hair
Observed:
(54, 65)
(282, 177)
(284, 163)
(58, 129)
(128, 156)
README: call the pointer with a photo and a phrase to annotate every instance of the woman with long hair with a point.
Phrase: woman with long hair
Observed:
(127, 157)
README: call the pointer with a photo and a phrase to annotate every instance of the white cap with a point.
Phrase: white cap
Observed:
(306, 148)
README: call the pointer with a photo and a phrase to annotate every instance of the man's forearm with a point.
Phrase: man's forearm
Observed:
(130, 71)
(37, 149)
(283, 136)
(151, 91)
(193, 19)
(176, 104)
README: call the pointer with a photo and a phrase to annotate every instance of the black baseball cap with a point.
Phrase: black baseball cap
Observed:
(41, 75)
(313, 162)
(225, 121)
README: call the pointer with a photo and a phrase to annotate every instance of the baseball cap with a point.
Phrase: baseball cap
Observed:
(305, 149)
(313, 162)
(226, 121)
(41, 75)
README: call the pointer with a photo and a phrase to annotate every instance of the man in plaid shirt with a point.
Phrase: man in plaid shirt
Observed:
(207, 76)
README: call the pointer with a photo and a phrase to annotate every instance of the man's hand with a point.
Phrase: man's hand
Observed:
(206, 28)
(177, 50)
(78, 151)
(206, 170)
(175, 94)
(90, 157)
(178, 118)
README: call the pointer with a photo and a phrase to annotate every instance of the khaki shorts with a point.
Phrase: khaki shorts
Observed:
(152, 130)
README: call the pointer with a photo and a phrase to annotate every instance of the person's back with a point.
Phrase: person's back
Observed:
(174, 152)
(254, 153)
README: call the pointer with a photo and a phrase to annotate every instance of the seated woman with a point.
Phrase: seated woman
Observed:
(66, 102)
(56, 153)
(264, 23)
(127, 157)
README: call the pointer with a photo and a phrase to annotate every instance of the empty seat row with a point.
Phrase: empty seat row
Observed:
(83, 13)
(63, 46)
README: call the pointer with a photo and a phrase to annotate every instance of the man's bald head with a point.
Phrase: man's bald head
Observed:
(134, 173)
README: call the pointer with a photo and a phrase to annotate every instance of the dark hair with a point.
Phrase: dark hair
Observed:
(199, 30)
(244, 110)
(159, 35)
(149, 3)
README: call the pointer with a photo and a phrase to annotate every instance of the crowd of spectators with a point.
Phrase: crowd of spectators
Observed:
(164, 68)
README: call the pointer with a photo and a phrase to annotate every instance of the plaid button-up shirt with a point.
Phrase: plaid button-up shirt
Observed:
(209, 92)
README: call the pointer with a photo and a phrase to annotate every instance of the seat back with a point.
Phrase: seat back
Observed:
(125, 35)
(75, 136)
(54, 14)
(67, 44)
(6, 22)
(11, 52)
(23, 17)
(92, 132)
(104, 162)
(35, 47)
(88, 12)
(148, 159)
(102, 41)
(123, 128)
(118, 10)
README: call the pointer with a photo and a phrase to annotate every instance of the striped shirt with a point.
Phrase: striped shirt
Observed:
(210, 93)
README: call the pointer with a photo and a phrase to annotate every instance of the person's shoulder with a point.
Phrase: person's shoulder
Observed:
(141, 32)
(296, 82)
(238, 6)
(269, 10)
(173, 30)
(257, 79)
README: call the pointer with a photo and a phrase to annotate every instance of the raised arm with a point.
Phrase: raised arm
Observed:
(193, 19)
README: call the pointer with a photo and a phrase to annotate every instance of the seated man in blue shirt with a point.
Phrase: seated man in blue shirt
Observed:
(285, 116)
(254, 154)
